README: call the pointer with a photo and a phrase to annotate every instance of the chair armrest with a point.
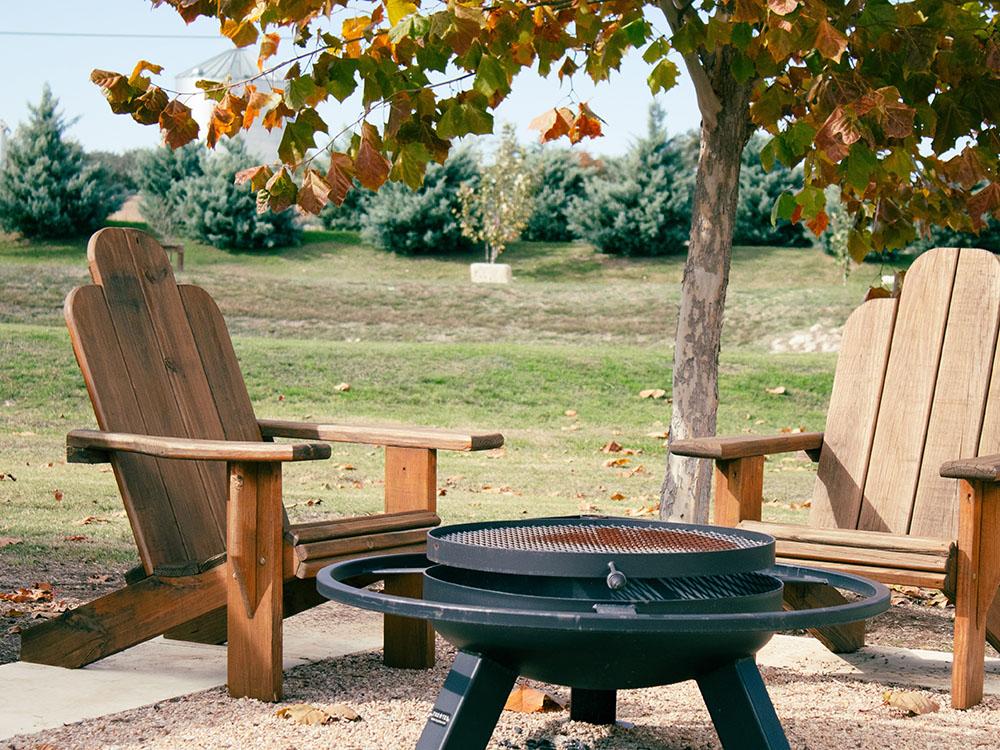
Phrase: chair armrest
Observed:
(744, 446)
(982, 469)
(397, 437)
(94, 442)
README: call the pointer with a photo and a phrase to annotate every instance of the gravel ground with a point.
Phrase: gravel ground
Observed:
(817, 713)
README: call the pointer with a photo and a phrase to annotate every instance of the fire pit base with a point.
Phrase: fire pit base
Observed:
(469, 706)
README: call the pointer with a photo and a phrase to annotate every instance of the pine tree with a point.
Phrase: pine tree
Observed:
(49, 188)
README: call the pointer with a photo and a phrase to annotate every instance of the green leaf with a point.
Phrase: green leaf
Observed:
(783, 208)
(859, 165)
(742, 35)
(342, 81)
(636, 32)
(410, 165)
(299, 91)
(490, 76)
(656, 49)
(663, 77)
(768, 156)
(463, 119)
(413, 27)
(812, 199)
(742, 67)
(299, 136)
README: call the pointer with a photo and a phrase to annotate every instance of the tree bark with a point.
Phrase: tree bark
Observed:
(685, 493)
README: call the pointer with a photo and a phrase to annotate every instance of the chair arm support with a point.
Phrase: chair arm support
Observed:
(744, 446)
(982, 469)
(93, 443)
(389, 436)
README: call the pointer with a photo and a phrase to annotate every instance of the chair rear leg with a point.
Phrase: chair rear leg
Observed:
(123, 618)
(408, 643)
(840, 639)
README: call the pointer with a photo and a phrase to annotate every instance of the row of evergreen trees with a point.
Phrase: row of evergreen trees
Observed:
(636, 205)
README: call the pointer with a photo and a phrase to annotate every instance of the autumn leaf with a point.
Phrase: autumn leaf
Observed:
(114, 85)
(256, 176)
(553, 123)
(75, 538)
(778, 390)
(340, 176)
(90, 520)
(7, 541)
(617, 496)
(817, 225)
(653, 393)
(585, 125)
(613, 462)
(177, 124)
(782, 7)
(830, 42)
(58, 495)
(399, 9)
(281, 190)
(611, 447)
(915, 704)
(148, 107)
(305, 713)
(314, 193)
(569, 413)
(528, 700)
(268, 48)
(371, 166)
(342, 388)
(137, 78)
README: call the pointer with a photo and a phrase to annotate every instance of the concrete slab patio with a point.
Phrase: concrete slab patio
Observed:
(39, 697)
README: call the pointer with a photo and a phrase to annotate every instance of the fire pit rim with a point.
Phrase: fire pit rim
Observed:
(331, 582)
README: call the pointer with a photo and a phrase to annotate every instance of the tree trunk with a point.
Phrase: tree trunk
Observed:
(685, 493)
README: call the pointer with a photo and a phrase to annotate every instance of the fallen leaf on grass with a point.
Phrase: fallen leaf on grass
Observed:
(654, 393)
(528, 700)
(912, 702)
(570, 412)
(611, 447)
(653, 509)
(613, 462)
(7, 541)
(39, 592)
(304, 713)
(587, 508)
(617, 496)
(75, 538)
(779, 390)
(89, 520)
(58, 495)
(100, 578)
(342, 387)
(661, 435)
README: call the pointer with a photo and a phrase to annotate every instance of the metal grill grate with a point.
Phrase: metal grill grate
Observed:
(693, 589)
(604, 538)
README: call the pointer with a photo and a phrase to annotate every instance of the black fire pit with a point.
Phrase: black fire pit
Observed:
(600, 604)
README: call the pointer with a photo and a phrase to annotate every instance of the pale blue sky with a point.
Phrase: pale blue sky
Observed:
(65, 63)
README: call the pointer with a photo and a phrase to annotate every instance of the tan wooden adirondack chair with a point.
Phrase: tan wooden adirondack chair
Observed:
(915, 406)
(219, 559)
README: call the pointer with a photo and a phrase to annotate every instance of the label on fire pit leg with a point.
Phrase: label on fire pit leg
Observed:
(439, 717)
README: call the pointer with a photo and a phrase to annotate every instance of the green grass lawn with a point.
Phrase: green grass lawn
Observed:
(576, 332)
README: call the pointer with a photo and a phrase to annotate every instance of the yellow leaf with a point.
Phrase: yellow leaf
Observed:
(779, 390)
(399, 9)
(654, 393)
(342, 387)
(305, 713)
(527, 700)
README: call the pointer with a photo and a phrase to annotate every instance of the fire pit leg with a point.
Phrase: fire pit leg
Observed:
(593, 706)
(468, 706)
(741, 709)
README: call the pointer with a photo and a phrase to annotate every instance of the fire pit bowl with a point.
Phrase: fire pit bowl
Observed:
(578, 611)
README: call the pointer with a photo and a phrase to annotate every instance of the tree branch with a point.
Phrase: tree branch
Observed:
(708, 100)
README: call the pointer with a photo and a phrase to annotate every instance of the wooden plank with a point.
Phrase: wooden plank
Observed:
(310, 568)
(977, 580)
(850, 421)
(340, 528)
(387, 435)
(861, 556)
(222, 369)
(739, 487)
(884, 575)
(853, 538)
(408, 643)
(336, 547)
(840, 639)
(147, 504)
(410, 479)
(193, 491)
(963, 383)
(254, 595)
(910, 379)
(122, 619)
(741, 446)
(202, 450)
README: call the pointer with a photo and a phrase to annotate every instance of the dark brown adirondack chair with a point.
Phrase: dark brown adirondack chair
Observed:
(219, 559)
(915, 406)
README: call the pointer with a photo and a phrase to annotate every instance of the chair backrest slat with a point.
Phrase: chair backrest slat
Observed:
(850, 423)
(886, 440)
(960, 395)
(176, 360)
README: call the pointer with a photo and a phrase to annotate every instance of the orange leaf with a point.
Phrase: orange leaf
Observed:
(611, 447)
(819, 223)
(527, 700)
(371, 166)
(177, 124)
(553, 123)
(268, 48)
(585, 125)
(782, 7)
(256, 176)
(314, 192)
(353, 32)
(837, 134)
(796, 215)
(340, 177)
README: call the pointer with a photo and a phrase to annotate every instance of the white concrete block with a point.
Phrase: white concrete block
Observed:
(490, 273)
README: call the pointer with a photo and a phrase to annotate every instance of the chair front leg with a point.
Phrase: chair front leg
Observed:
(739, 490)
(978, 576)
(254, 596)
